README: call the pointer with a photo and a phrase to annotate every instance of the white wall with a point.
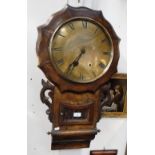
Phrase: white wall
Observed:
(113, 131)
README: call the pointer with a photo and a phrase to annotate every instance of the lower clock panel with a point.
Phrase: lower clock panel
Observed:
(81, 114)
(72, 139)
(69, 145)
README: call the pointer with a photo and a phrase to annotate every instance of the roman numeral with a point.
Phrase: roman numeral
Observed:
(57, 49)
(103, 40)
(61, 35)
(102, 65)
(94, 74)
(68, 72)
(81, 76)
(84, 24)
(60, 62)
(96, 31)
(71, 26)
(107, 53)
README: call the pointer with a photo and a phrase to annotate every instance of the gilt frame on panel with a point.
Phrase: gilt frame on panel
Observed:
(121, 79)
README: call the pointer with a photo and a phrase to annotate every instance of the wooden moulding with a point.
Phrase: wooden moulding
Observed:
(119, 78)
(72, 139)
(103, 152)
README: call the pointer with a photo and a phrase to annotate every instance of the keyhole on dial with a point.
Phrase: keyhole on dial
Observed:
(89, 65)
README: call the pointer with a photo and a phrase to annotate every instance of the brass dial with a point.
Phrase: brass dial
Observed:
(81, 50)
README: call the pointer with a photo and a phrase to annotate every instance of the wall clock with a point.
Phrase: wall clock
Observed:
(78, 52)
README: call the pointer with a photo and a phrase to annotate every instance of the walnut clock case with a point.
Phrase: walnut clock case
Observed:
(78, 52)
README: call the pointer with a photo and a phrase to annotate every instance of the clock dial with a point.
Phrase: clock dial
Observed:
(81, 50)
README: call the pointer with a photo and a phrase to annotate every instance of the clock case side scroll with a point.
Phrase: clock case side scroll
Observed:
(45, 32)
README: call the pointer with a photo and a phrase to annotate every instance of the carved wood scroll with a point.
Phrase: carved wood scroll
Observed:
(46, 100)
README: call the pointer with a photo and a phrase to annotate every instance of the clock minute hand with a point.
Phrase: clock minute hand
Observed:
(75, 62)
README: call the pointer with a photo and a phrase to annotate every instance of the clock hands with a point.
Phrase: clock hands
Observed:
(75, 62)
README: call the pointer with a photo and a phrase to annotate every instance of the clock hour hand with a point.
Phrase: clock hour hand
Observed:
(75, 62)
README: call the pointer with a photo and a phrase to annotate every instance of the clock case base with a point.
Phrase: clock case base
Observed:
(72, 140)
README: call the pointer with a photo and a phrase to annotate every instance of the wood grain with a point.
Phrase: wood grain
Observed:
(103, 152)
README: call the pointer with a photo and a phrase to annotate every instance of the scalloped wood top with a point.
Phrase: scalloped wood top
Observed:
(46, 31)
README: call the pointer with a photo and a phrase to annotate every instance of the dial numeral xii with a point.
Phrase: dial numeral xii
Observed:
(71, 26)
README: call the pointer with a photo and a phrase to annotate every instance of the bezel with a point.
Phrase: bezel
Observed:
(75, 19)
(45, 32)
